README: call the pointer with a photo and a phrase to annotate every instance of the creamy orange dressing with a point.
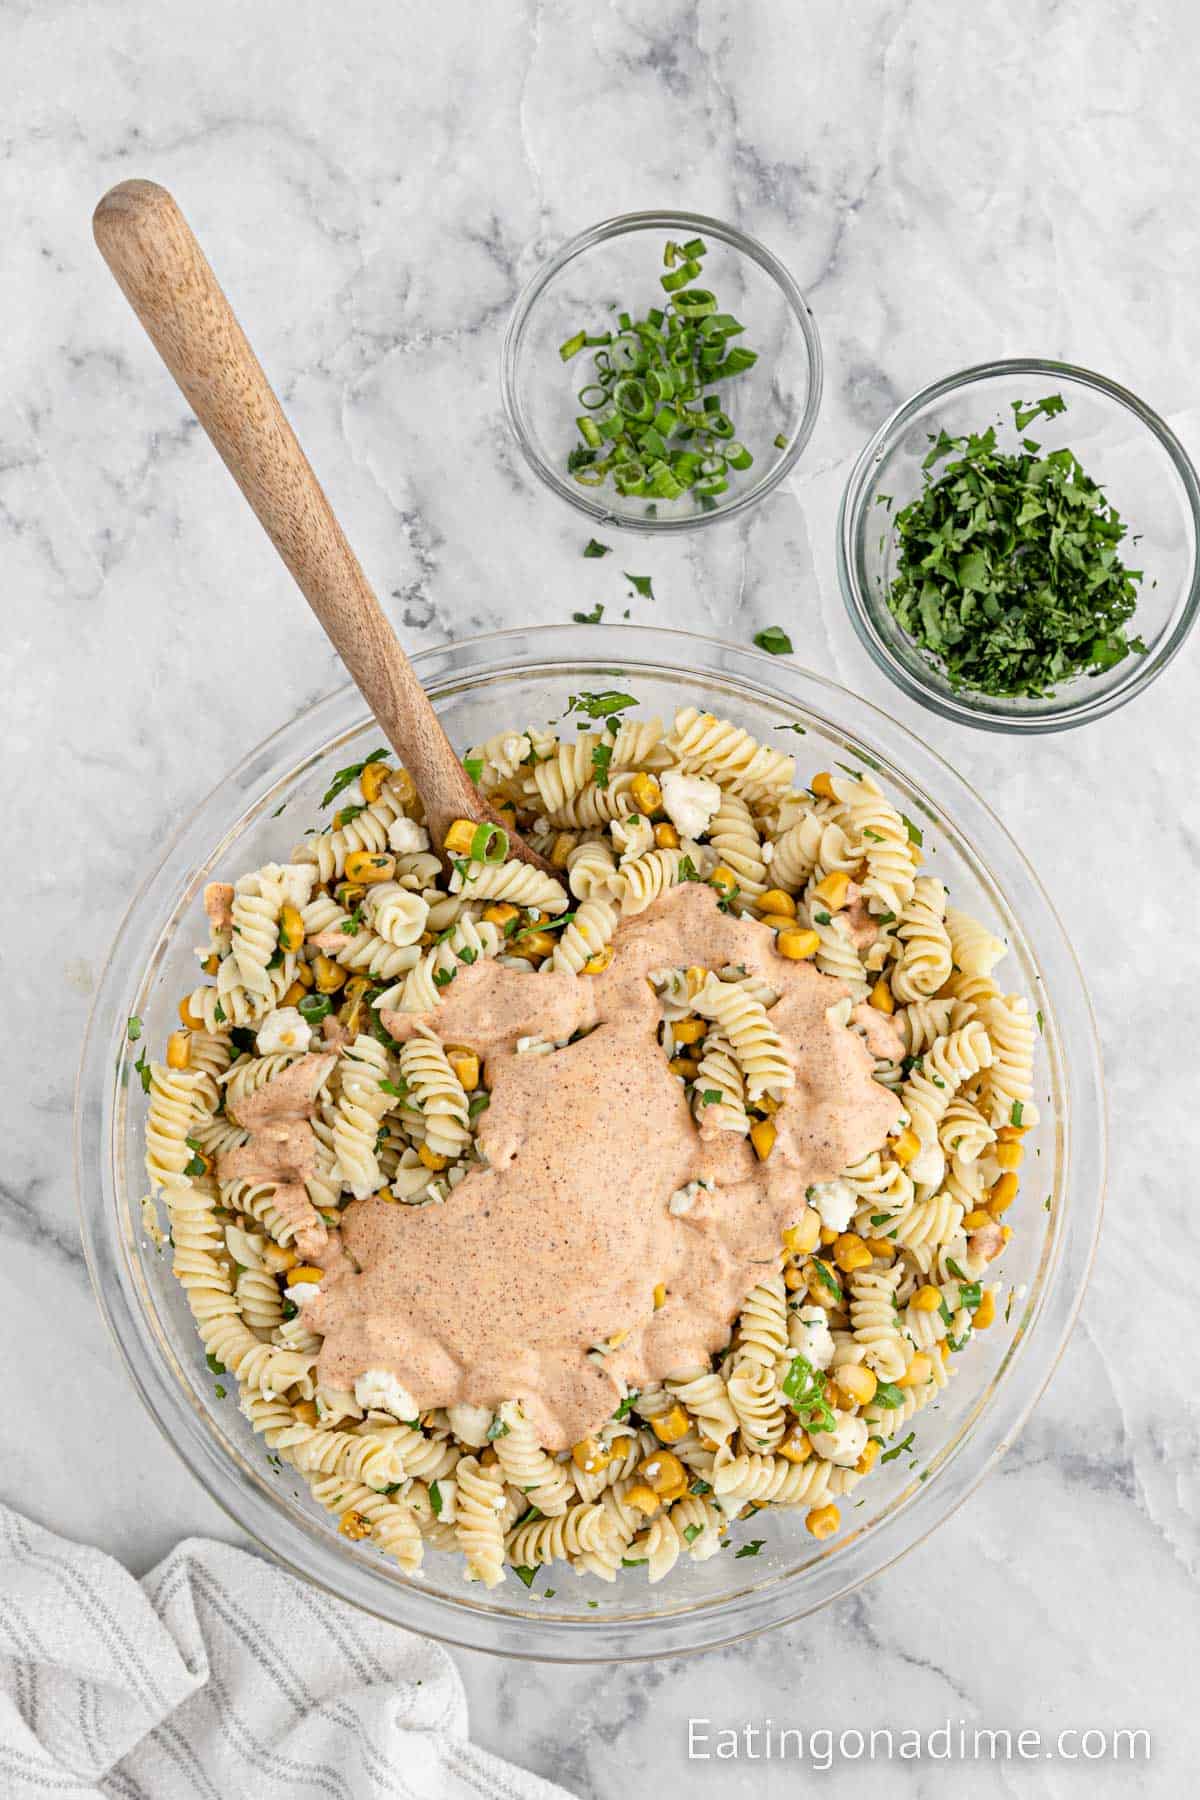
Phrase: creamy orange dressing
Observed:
(282, 1146)
(558, 1243)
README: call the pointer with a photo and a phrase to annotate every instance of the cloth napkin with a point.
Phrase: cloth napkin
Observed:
(219, 1677)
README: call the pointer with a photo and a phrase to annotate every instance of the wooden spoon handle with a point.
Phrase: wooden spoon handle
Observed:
(150, 248)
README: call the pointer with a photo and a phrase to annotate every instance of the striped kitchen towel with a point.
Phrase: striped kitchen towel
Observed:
(219, 1677)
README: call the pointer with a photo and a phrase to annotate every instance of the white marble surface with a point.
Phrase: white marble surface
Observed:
(374, 181)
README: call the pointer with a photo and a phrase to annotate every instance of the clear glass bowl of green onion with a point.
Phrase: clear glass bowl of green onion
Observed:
(662, 371)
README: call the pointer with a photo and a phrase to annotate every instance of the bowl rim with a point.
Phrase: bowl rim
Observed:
(863, 610)
(621, 224)
(100, 1097)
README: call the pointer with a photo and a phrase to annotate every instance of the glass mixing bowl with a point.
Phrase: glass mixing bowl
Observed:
(619, 261)
(1136, 458)
(478, 686)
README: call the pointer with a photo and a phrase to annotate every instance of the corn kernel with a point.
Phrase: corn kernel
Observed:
(349, 894)
(686, 1066)
(506, 812)
(1011, 1134)
(663, 1471)
(293, 995)
(832, 891)
(821, 1281)
(669, 1427)
(660, 1295)
(777, 921)
(917, 1373)
(850, 1253)
(822, 786)
(355, 1525)
(979, 1215)
(328, 976)
(372, 779)
(724, 880)
(488, 1458)
(944, 1350)
(534, 946)
(767, 1105)
(869, 1457)
(179, 1050)
(881, 996)
(797, 945)
(794, 1278)
(696, 977)
(596, 965)
(564, 843)
(882, 1249)
(187, 1017)
(985, 1312)
(465, 1064)
(368, 867)
(403, 787)
(926, 1299)
(306, 1272)
(906, 1146)
(796, 1446)
(1010, 1156)
(646, 793)
(1003, 1194)
(827, 1236)
(277, 1259)
(762, 1136)
(689, 1031)
(775, 901)
(501, 913)
(590, 1456)
(643, 1498)
(291, 928)
(304, 975)
(459, 837)
(431, 1159)
(211, 963)
(857, 1384)
(1006, 1232)
(665, 835)
(804, 1236)
(823, 1521)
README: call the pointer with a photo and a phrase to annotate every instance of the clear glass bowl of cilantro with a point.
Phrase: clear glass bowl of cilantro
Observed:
(662, 371)
(1017, 546)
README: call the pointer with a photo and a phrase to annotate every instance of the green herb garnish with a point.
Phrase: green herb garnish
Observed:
(691, 1533)
(314, 1007)
(905, 1444)
(642, 584)
(601, 757)
(474, 767)
(599, 706)
(750, 1549)
(774, 640)
(1008, 572)
(143, 1068)
(593, 548)
(214, 1366)
(133, 1028)
(524, 1573)
(592, 618)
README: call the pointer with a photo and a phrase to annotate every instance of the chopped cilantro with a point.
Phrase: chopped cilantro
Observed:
(915, 834)
(599, 706)
(711, 1097)
(215, 1367)
(1018, 1112)
(775, 641)
(435, 1499)
(641, 584)
(601, 757)
(906, 1444)
(479, 1103)
(592, 618)
(443, 977)
(691, 1533)
(888, 1395)
(800, 730)
(1008, 572)
(143, 1069)
(593, 548)
(219, 1390)
(398, 1090)
(750, 1549)
(524, 1573)
(497, 1429)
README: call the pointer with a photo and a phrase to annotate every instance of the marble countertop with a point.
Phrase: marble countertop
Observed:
(374, 182)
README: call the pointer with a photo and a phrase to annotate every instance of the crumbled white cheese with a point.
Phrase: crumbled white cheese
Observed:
(377, 1390)
(298, 881)
(846, 1443)
(835, 1202)
(809, 1334)
(690, 801)
(767, 852)
(684, 1198)
(406, 837)
(283, 1029)
(470, 1423)
(302, 1293)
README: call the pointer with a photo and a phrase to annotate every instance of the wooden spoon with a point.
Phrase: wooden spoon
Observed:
(150, 248)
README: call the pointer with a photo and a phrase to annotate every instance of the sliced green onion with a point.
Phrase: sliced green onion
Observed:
(695, 247)
(489, 844)
(696, 303)
(572, 346)
(737, 455)
(589, 431)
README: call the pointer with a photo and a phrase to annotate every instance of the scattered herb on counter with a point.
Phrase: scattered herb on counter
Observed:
(774, 640)
(589, 618)
(750, 1549)
(649, 420)
(641, 584)
(1008, 572)
(594, 548)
